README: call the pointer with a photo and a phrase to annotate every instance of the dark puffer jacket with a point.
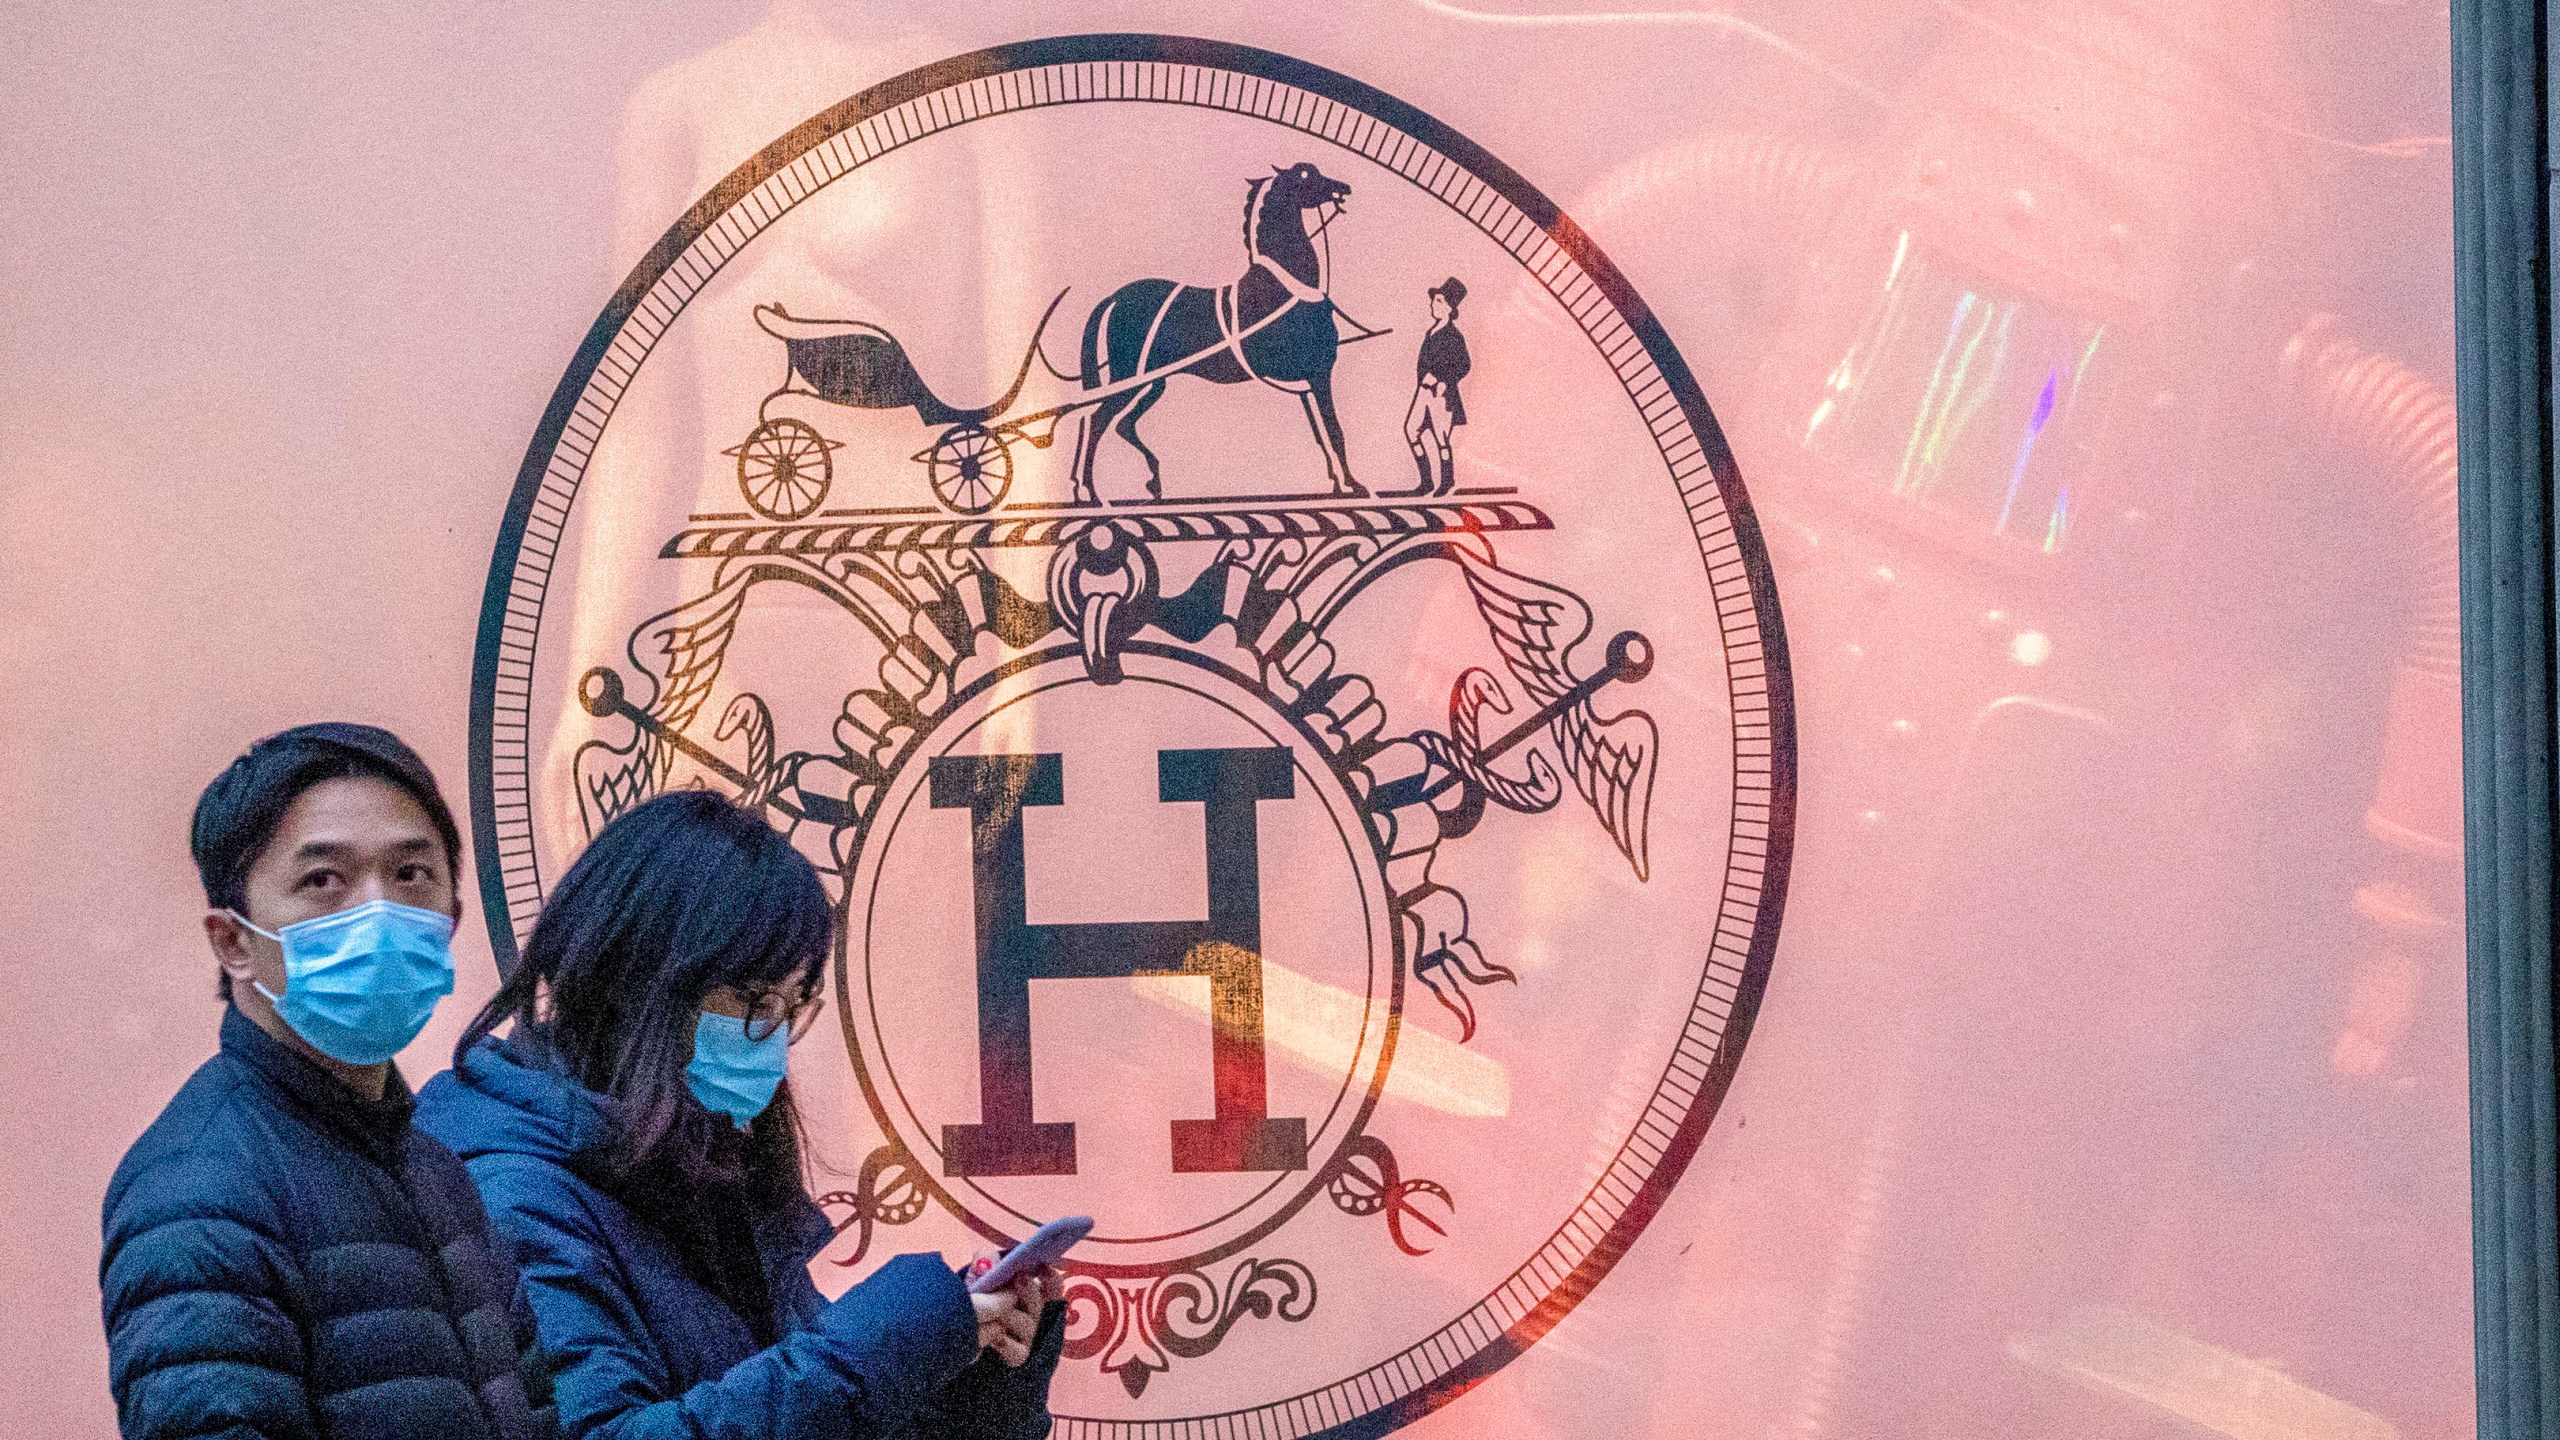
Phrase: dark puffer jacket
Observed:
(285, 1259)
(644, 1350)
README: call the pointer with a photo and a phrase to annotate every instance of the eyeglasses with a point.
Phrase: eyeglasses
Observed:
(769, 1012)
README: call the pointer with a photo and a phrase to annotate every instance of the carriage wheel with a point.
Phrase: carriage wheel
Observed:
(970, 469)
(783, 469)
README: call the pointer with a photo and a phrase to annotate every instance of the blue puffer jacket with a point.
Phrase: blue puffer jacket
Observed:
(285, 1259)
(642, 1350)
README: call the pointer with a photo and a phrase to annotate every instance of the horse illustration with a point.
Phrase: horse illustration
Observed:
(1275, 324)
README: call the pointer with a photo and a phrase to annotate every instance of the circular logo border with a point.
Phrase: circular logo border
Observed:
(1509, 210)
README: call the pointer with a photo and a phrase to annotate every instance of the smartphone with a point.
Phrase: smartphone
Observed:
(1043, 1247)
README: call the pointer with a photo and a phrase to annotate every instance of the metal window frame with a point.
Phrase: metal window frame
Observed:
(2503, 226)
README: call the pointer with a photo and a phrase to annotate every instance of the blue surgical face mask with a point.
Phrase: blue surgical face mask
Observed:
(732, 1074)
(359, 983)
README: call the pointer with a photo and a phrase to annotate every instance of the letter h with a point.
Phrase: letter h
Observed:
(1012, 952)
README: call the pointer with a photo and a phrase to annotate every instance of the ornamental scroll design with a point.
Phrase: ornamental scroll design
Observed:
(1138, 1327)
(889, 1190)
(1366, 1180)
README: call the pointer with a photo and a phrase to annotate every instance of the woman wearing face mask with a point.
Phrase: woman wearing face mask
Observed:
(636, 1147)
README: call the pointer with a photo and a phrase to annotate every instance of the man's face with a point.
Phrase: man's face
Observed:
(341, 843)
(1439, 308)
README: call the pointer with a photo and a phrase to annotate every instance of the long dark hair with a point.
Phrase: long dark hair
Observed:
(678, 896)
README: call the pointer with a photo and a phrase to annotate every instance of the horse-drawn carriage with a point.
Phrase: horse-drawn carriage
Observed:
(1274, 324)
(785, 466)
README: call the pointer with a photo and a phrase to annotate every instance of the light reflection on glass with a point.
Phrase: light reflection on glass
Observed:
(1968, 399)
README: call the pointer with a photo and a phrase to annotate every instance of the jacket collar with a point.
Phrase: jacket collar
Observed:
(502, 1099)
(377, 1127)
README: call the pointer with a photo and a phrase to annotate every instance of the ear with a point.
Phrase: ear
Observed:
(231, 941)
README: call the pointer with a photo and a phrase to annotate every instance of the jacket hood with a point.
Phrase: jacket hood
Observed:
(492, 1103)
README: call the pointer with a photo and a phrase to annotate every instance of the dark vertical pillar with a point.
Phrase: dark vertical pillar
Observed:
(2503, 225)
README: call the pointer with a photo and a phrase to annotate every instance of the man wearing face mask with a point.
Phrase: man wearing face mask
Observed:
(285, 1254)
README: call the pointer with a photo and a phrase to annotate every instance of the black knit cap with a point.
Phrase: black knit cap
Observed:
(238, 813)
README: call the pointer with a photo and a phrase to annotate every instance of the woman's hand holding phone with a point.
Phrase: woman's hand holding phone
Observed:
(1009, 1318)
(1011, 1291)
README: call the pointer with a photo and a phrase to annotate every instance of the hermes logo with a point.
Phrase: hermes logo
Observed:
(1259, 633)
